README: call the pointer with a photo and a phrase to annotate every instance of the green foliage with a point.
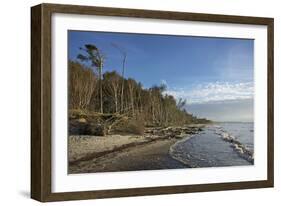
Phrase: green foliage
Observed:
(93, 54)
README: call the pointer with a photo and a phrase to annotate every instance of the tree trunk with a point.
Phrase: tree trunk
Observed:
(122, 86)
(116, 101)
(101, 100)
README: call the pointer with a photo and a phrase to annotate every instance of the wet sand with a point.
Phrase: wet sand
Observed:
(150, 156)
(87, 154)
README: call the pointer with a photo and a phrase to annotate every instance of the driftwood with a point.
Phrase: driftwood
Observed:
(112, 121)
(167, 133)
(98, 124)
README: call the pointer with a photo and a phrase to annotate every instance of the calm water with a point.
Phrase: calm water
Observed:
(209, 149)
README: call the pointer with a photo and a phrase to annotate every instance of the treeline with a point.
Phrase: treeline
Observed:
(110, 93)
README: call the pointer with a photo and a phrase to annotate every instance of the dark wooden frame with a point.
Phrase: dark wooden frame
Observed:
(41, 101)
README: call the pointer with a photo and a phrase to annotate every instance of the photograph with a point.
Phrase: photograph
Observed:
(134, 102)
(150, 101)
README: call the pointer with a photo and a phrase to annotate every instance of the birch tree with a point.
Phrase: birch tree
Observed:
(124, 57)
(112, 85)
(82, 83)
(93, 55)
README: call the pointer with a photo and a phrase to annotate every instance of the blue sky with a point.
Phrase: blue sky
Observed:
(208, 72)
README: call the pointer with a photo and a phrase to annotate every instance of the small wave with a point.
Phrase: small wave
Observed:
(178, 151)
(177, 155)
(237, 146)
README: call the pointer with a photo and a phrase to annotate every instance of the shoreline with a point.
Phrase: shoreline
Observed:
(150, 156)
(128, 153)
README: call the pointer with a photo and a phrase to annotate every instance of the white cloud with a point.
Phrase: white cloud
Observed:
(214, 92)
(164, 82)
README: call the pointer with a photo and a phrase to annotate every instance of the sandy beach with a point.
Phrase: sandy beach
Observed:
(161, 148)
(89, 154)
(150, 156)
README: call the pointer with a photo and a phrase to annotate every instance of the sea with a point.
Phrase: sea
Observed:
(220, 144)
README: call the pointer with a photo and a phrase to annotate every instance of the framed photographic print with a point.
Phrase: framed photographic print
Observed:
(130, 102)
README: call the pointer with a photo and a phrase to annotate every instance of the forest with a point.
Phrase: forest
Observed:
(105, 102)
